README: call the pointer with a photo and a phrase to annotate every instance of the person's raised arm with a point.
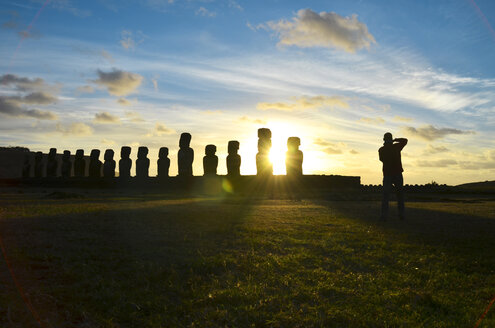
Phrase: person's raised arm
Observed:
(401, 141)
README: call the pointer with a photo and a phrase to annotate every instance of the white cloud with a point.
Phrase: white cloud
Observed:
(134, 117)
(155, 84)
(325, 29)
(124, 102)
(129, 40)
(118, 82)
(305, 102)
(85, 89)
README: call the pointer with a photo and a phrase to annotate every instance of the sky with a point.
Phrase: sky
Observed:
(337, 74)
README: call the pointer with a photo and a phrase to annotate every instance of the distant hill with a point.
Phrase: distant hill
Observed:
(485, 185)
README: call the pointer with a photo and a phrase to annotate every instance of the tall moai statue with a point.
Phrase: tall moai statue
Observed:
(142, 163)
(109, 164)
(52, 163)
(263, 164)
(185, 157)
(38, 164)
(95, 164)
(125, 162)
(233, 159)
(163, 162)
(79, 164)
(293, 157)
(66, 164)
(210, 160)
(26, 166)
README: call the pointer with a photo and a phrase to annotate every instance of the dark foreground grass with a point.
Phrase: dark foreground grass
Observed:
(146, 262)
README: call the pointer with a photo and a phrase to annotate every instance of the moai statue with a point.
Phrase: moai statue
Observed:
(26, 167)
(125, 162)
(233, 159)
(142, 163)
(293, 157)
(52, 163)
(263, 164)
(210, 161)
(79, 164)
(109, 165)
(95, 164)
(185, 157)
(38, 164)
(163, 163)
(66, 164)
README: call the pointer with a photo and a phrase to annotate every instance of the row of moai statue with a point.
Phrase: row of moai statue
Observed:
(294, 159)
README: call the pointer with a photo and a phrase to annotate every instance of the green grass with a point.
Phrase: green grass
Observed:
(147, 262)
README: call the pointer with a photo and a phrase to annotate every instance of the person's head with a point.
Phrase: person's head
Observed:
(387, 137)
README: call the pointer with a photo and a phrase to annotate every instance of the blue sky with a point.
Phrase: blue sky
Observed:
(103, 74)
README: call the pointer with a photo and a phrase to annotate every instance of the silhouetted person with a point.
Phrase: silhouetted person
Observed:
(66, 164)
(26, 167)
(392, 172)
(38, 164)
(293, 157)
(233, 159)
(185, 156)
(263, 164)
(142, 163)
(79, 164)
(210, 161)
(163, 162)
(109, 164)
(125, 162)
(95, 164)
(52, 163)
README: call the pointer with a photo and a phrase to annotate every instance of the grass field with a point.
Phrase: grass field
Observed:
(141, 261)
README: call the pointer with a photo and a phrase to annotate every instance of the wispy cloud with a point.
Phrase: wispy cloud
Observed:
(74, 129)
(430, 133)
(118, 82)
(430, 149)
(124, 102)
(85, 89)
(252, 120)
(134, 117)
(330, 147)
(372, 120)
(14, 108)
(129, 40)
(202, 11)
(436, 163)
(325, 29)
(106, 118)
(305, 102)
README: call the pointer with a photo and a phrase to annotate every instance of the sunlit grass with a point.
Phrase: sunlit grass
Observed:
(149, 262)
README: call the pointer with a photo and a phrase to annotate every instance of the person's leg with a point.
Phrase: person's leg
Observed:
(387, 185)
(399, 184)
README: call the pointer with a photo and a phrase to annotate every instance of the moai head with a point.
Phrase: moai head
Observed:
(80, 153)
(142, 152)
(293, 143)
(264, 133)
(66, 156)
(185, 140)
(108, 155)
(38, 156)
(210, 150)
(26, 159)
(264, 145)
(125, 152)
(163, 153)
(95, 154)
(233, 147)
(53, 153)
